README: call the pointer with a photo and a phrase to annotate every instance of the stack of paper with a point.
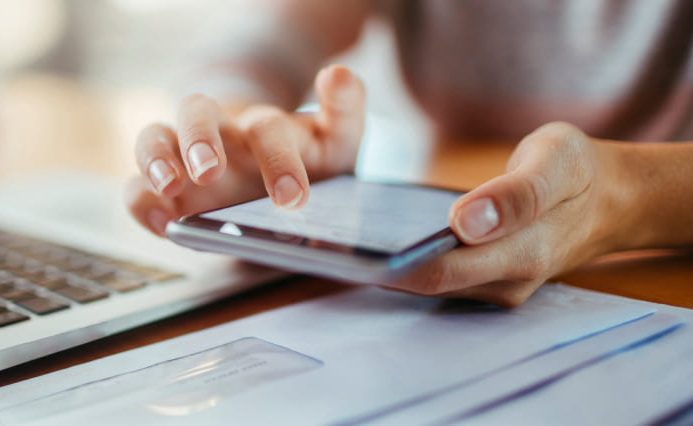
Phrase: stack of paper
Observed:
(371, 356)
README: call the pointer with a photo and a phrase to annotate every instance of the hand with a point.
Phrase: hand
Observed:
(214, 158)
(558, 205)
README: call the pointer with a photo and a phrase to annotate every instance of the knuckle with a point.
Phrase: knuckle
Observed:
(536, 194)
(195, 132)
(275, 160)
(559, 129)
(564, 139)
(264, 120)
(570, 149)
(526, 198)
(557, 136)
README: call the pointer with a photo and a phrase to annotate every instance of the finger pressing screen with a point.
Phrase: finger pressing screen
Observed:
(275, 140)
(201, 147)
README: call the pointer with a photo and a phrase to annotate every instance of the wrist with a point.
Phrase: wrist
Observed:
(618, 203)
(654, 186)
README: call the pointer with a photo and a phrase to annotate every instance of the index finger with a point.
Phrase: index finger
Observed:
(200, 143)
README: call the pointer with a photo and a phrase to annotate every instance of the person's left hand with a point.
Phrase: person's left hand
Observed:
(560, 204)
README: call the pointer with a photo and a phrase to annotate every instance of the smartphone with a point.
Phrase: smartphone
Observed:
(350, 229)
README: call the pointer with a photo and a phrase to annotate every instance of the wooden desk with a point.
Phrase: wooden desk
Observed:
(658, 277)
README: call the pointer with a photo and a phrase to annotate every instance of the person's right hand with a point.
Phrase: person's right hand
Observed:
(214, 158)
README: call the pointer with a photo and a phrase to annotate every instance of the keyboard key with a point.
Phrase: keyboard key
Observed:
(150, 273)
(57, 256)
(11, 261)
(121, 284)
(13, 294)
(78, 263)
(8, 317)
(42, 305)
(82, 294)
(6, 278)
(31, 272)
(158, 275)
(76, 274)
(37, 250)
(97, 271)
(51, 281)
(15, 242)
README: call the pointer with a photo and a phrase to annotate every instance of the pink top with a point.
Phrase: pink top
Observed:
(620, 69)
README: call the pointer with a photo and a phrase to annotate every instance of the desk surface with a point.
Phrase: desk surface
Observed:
(656, 276)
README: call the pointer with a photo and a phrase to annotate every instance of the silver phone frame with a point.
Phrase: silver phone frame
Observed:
(351, 264)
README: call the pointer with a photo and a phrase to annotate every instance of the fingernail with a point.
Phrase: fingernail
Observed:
(161, 174)
(202, 158)
(157, 220)
(476, 219)
(287, 192)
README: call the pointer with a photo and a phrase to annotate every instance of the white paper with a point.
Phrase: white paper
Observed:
(378, 348)
(636, 387)
(468, 401)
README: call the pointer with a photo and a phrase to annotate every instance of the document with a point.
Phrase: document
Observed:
(335, 360)
(641, 386)
(467, 401)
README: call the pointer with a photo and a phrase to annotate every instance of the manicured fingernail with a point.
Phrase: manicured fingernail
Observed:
(476, 219)
(157, 220)
(202, 158)
(161, 174)
(287, 192)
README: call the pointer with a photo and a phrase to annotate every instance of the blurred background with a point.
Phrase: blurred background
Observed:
(80, 78)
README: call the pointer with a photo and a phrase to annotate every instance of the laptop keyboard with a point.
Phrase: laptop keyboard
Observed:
(38, 278)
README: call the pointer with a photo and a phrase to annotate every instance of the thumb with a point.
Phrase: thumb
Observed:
(342, 104)
(549, 166)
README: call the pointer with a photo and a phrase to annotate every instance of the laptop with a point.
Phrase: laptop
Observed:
(74, 267)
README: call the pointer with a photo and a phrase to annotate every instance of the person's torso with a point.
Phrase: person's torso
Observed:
(498, 69)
